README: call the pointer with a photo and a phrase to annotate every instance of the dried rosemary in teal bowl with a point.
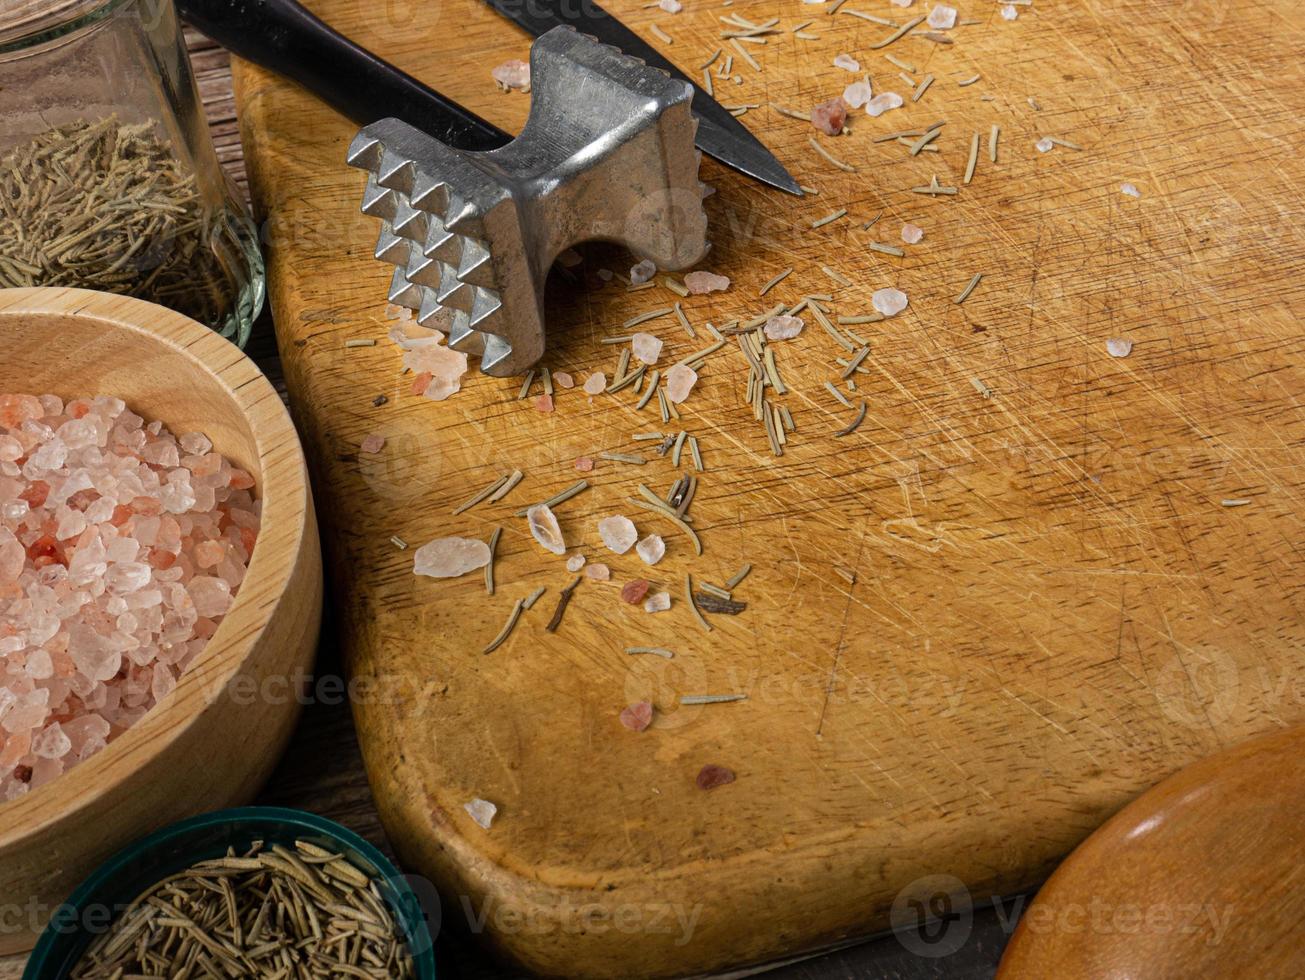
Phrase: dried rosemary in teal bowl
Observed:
(254, 891)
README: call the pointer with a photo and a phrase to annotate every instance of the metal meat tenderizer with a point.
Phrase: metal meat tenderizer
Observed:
(607, 153)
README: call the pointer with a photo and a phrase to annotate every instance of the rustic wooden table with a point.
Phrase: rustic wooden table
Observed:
(323, 772)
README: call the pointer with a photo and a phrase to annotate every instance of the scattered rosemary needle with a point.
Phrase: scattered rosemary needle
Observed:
(886, 249)
(655, 651)
(738, 577)
(897, 34)
(563, 600)
(399, 543)
(968, 81)
(838, 395)
(512, 480)
(743, 53)
(693, 603)
(974, 158)
(981, 388)
(840, 164)
(710, 61)
(871, 18)
(691, 699)
(696, 454)
(684, 322)
(565, 495)
(904, 65)
(506, 631)
(835, 275)
(525, 385)
(833, 216)
(634, 321)
(772, 283)
(854, 424)
(707, 85)
(969, 288)
(791, 113)
(855, 362)
(531, 599)
(660, 34)
(478, 497)
(1234, 502)
(673, 518)
(992, 142)
(360, 342)
(922, 88)
(651, 390)
(489, 565)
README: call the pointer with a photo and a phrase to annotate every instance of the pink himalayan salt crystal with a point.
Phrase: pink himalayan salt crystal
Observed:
(651, 549)
(563, 380)
(481, 811)
(783, 327)
(1118, 347)
(575, 562)
(882, 102)
(1129, 190)
(372, 443)
(584, 464)
(618, 533)
(445, 367)
(657, 602)
(680, 380)
(942, 17)
(857, 94)
(544, 404)
(712, 776)
(596, 383)
(888, 301)
(700, 283)
(544, 526)
(513, 74)
(633, 592)
(598, 572)
(1008, 11)
(646, 347)
(670, 6)
(829, 117)
(121, 548)
(642, 271)
(1044, 144)
(637, 716)
(450, 557)
(846, 62)
(911, 234)
(902, 3)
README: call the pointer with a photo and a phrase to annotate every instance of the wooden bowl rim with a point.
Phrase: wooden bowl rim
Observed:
(283, 489)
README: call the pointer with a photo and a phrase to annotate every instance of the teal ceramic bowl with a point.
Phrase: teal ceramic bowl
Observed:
(93, 906)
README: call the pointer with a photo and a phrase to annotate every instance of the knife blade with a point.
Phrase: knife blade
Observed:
(719, 134)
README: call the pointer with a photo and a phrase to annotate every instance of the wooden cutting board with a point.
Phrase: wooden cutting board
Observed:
(1075, 573)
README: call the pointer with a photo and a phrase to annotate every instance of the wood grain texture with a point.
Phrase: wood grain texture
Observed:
(1053, 610)
(212, 742)
(1195, 878)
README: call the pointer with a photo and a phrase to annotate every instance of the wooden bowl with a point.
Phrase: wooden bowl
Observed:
(213, 741)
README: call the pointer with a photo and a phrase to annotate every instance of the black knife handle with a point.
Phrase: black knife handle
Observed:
(284, 37)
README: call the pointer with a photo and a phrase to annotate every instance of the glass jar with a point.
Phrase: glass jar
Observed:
(108, 175)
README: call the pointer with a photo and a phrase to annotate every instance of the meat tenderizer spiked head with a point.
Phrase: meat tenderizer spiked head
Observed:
(607, 153)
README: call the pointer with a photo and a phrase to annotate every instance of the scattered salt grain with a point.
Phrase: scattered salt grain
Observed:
(544, 404)
(596, 383)
(445, 367)
(121, 549)
(888, 301)
(618, 533)
(1130, 190)
(450, 557)
(563, 380)
(783, 327)
(598, 572)
(646, 347)
(1044, 144)
(657, 602)
(543, 525)
(481, 811)
(709, 777)
(911, 234)
(584, 464)
(641, 272)
(512, 75)
(637, 716)
(633, 592)
(651, 549)
(372, 443)
(942, 17)
(680, 380)
(575, 562)
(846, 62)
(829, 117)
(882, 102)
(1008, 11)
(699, 283)
(1118, 347)
(857, 94)
(902, 3)
(670, 6)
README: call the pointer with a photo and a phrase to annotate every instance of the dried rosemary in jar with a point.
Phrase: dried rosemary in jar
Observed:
(269, 913)
(106, 206)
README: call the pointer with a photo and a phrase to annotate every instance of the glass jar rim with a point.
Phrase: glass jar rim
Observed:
(34, 22)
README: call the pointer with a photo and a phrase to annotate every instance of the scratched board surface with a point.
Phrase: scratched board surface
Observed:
(1074, 572)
